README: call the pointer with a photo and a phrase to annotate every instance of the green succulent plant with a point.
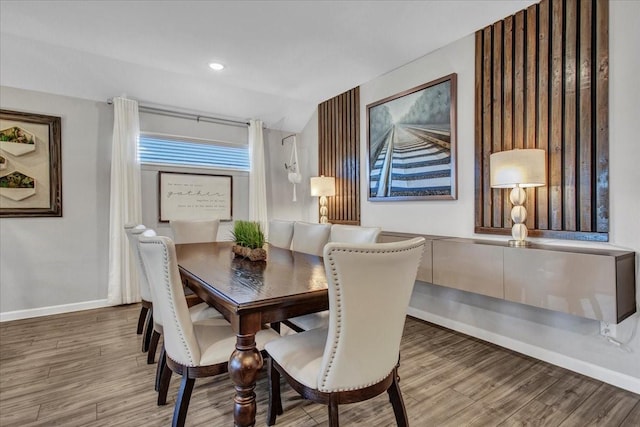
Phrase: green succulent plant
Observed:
(248, 234)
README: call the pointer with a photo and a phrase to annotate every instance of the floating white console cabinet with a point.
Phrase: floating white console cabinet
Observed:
(593, 283)
(463, 264)
(596, 284)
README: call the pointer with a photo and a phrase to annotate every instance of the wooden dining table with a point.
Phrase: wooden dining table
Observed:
(250, 295)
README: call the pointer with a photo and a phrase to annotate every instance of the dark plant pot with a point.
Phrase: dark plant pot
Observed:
(258, 254)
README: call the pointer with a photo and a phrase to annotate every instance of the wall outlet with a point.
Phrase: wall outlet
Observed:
(608, 329)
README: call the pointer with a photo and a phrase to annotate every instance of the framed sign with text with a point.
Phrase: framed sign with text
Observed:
(189, 196)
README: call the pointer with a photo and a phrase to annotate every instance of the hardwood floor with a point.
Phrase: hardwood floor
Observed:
(86, 369)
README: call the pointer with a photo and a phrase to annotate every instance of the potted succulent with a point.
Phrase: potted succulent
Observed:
(249, 240)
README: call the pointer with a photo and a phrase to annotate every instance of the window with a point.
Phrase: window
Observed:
(156, 149)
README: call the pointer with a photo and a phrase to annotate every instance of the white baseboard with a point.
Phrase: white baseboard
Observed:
(56, 309)
(600, 373)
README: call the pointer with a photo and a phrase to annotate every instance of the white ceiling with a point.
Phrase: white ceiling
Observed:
(282, 57)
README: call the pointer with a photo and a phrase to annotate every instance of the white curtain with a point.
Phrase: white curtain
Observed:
(125, 205)
(257, 178)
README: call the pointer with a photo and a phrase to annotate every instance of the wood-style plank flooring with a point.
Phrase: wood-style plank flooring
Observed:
(86, 369)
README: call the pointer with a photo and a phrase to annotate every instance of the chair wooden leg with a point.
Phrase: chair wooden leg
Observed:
(293, 327)
(148, 330)
(141, 319)
(395, 396)
(275, 400)
(333, 411)
(182, 402)
(275, 326)
(162, 364)
(165, 379)
(153, 346)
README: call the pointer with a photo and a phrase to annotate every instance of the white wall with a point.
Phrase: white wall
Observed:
(565, 340)
(437, 217)
(279, 189)
(59, 261)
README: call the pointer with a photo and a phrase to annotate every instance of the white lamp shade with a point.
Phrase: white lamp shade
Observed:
(323, 186)
(523, 168)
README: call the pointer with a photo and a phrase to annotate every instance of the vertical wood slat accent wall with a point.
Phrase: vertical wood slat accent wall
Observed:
(339, 154)
(542, 81)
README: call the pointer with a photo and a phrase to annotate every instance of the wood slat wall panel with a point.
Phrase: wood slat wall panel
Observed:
(479, 185)
(601, 72)
(518, 81)
(542, 119)
(507, 142)
(519, 107)
(330, 168)
(339, 154)
(497, 114)
(356, 158)
(486, 126)
(531, 94)
(347, 155)
(569, 149)
(346, 195)
(542, 81)
(355, 154)
(584, 126)
(554, 156)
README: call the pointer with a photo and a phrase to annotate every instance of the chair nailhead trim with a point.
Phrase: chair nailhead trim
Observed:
(167, 284)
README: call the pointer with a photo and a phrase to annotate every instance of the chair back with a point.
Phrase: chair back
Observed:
(135, 236)
(195, 231)
(354, 234)
(310, 238)
(280, 233)
(159, 258)
(369, 290)
(133, 231)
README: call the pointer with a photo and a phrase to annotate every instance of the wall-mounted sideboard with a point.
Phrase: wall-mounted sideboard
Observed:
(593, 283)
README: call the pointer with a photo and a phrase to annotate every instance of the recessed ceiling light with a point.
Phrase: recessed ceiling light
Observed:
(216, 66)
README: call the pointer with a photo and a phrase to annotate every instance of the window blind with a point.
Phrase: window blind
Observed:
(178, 152)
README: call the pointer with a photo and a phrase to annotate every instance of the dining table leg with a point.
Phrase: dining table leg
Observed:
(244, 365)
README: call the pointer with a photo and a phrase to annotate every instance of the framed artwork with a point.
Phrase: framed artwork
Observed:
(30, 165)
(411, 143)
(188, 196)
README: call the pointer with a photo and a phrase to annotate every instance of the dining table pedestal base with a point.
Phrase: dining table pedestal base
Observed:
(244, 365)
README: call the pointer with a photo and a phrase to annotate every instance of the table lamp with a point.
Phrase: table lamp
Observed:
(323, 186)
(518, 169)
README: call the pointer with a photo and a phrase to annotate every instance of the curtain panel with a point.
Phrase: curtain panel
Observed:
(257, 176)
(125, 203)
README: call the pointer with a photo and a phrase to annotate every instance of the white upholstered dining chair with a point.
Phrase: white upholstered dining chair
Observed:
(195, 231)
(145, 320)
(198, 310)
(341, 234)
(280, 233)
(194, 349)
(310, 238)
(354, 234)
(356, 357)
